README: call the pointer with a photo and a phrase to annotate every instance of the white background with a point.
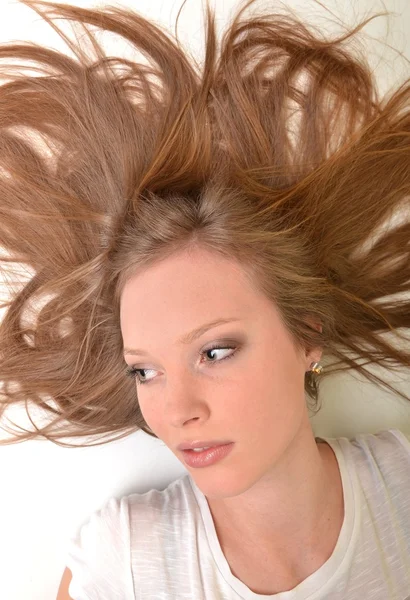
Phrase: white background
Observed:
(47, 491)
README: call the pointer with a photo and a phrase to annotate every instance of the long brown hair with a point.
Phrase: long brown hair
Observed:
(109, 165)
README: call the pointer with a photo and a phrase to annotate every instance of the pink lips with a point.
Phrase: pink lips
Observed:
(203, 444)
(206, 458)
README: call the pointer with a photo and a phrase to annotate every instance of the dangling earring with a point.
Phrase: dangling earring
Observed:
(316, 367)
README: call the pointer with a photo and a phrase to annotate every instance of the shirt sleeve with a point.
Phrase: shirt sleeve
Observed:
(99, 555)
(405, 433)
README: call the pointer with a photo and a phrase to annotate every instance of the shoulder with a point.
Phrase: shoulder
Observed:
(382, 461)
(98, 555)
(63, 593)
(384, 446)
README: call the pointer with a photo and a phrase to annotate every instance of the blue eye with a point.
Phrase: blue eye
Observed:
(135, 373)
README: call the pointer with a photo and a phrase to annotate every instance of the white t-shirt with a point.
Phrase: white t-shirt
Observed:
(162, 545)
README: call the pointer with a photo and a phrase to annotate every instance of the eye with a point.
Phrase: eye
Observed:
(135, 373)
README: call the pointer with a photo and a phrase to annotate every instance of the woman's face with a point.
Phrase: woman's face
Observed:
(255, 398)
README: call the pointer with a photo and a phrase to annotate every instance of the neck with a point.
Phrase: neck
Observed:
(290, 516)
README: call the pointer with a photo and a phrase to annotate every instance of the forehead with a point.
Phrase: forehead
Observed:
(186, 291)
(185, 279)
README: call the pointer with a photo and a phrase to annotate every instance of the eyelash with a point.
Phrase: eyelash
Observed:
(133, 372)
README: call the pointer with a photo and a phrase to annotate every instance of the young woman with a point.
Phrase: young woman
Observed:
(213, 232)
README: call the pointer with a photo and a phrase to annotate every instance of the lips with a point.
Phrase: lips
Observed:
(206, 458)
(203, 444)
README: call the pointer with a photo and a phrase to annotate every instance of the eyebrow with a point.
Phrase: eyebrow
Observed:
(188, 338)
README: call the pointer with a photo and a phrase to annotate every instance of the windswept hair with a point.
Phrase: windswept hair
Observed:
(109, 165)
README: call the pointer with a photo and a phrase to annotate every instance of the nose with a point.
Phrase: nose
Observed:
(184, 396)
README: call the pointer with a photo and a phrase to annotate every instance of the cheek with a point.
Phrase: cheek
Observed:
(148, 412)
(250, 397)
(269, 394)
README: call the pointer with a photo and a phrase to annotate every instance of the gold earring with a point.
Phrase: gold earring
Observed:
(316, 367)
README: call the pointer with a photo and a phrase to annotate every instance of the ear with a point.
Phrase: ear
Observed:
(314, 354)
